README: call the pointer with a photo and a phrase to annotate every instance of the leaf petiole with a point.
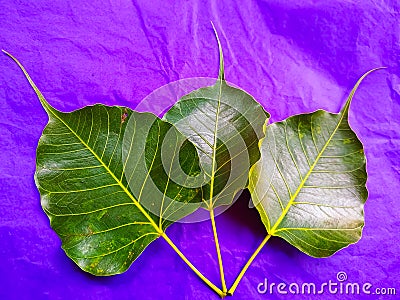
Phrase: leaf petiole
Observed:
(192, 267)
(247, 265)
(221, 267)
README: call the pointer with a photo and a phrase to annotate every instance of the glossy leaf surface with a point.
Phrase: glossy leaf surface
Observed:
(225, 124)
(83, 180)
(309, 185)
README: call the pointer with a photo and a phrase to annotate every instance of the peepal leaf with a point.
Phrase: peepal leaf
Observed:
(84, 188)
(309, 185)
(225, 124)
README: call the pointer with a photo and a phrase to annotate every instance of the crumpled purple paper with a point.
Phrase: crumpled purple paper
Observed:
(293, 57)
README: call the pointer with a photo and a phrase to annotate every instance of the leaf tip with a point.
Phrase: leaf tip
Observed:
(221, 75)
(351, 95)
(43, 101)
(9, 54)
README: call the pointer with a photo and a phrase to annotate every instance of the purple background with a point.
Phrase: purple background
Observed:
(293, 58)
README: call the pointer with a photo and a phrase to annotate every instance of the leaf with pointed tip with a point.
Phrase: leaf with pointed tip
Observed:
(83, 179)
(225, 124)
(309, 185)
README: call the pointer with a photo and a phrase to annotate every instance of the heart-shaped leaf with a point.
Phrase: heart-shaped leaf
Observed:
(225, 124)
(92, 194)
(309, 185)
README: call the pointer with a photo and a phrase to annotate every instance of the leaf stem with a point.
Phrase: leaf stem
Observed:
(247, 265)
(220, 82)
(221, 266)
(191, 266)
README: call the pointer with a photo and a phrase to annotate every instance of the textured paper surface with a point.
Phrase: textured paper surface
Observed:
(292, 57)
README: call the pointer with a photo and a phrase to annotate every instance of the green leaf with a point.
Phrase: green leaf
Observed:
(225, 124)
(161, 167)
(309, 185)
(83, 178)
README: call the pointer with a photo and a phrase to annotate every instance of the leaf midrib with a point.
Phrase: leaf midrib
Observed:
(213, 171)
(137, 204)
(304, 180)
